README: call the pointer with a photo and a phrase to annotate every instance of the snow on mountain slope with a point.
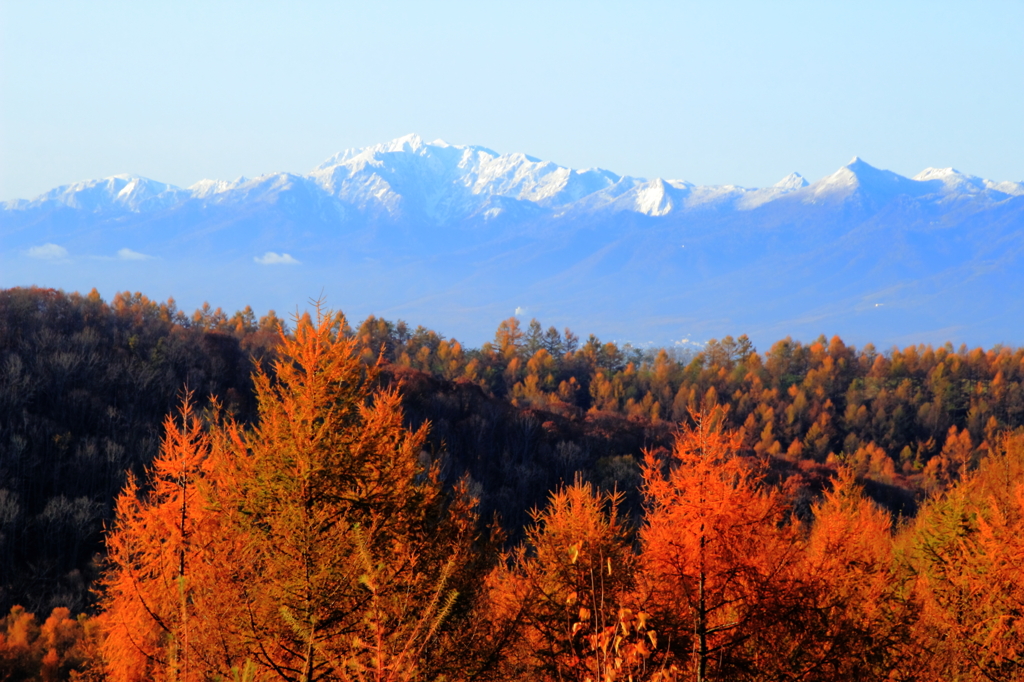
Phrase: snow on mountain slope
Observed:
(410, 180)
(754, 198)
(859, 178)
(656, 198)
(129, 192)
(955, 183)
(659, 198)
(207, 188)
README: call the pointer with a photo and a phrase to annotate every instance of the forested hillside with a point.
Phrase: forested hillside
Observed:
(84, 388)
(532, 464)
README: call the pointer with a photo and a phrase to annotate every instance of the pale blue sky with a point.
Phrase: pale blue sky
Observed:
(721, 92)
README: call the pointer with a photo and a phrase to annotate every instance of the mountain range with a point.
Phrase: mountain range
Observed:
(459, 237)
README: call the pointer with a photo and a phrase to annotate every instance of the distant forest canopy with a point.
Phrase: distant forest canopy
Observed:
(85, 386)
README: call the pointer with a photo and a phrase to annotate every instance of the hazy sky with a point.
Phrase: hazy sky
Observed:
(714, 92)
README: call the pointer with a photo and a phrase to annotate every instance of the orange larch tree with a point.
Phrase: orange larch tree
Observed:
(568, 596)
(858, 616)
(718, 554)
(318, 544)
(347, 539)
(62, 648)
(966, 548)
(164, 579)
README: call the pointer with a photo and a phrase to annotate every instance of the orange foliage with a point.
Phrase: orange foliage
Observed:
(718, 554)
(339, 537)
(62, 648)
(314, 546)
(319, 543)
(569, 588)
(167, 570)
(857, 622)
(967, 551)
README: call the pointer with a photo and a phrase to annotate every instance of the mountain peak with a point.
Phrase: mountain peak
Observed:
(791, 181)
(407, 143)
(938, 174)
(859, 165)
(860, 177)
(956, 183)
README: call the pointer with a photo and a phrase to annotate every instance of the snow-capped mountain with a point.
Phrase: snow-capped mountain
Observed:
(417, 227)
(409, 179)
(443, 182)
(119, 192)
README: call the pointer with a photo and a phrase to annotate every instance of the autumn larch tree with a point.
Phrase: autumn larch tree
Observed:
(339, 555)
(164, 580)
(567, 594)
(352, 549)
(717, 554)
(858, 615)
(966, 548)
